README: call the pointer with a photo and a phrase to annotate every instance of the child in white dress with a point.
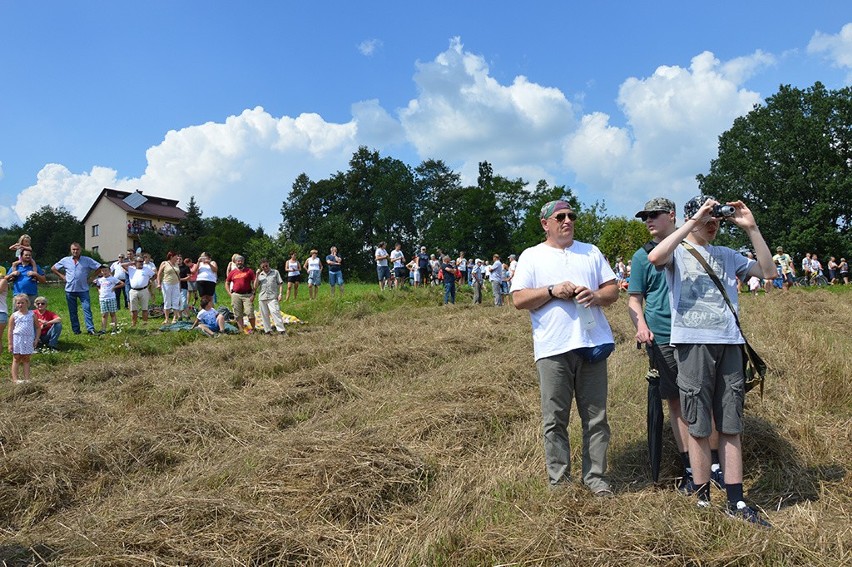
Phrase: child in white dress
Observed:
(24, 330)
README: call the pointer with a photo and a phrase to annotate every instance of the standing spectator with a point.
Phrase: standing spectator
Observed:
(564, 283)
(414, 271)
(4, 307)
(240, 285)
(816, 266)
(785, 264)
(168, 280)
(806, 266)
(476, 281)
(435, 268)
(139, 276)
(496, 279)
(648, 307)
(293, 277)
(51, 325)
(398, 258)
(106, 285)
(269, 285)
(206, 273)
(449, 274)
(423, 265)
(75, 269)
(23, 337)
(185, 274)
(832, 270)
(461, 264)
(335, 273)
(382, 269)
(25, 278)
(708, 342)
(152, 283)
(313, 265)
(118, 272)
(843, 269)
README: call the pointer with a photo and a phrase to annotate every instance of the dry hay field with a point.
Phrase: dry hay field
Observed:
(408, 437)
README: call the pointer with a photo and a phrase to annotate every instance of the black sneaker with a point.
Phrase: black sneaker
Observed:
(743, 512)
(686, 486)
(717, 477)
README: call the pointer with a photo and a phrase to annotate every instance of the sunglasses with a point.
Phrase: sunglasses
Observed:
(40, 303)
(560, 217)
(654, 215)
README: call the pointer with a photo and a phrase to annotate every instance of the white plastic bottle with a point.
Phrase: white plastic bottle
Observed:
(587, 318)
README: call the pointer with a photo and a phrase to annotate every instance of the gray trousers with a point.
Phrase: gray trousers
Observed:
(498, 296)
(562, 378)
(477, 291)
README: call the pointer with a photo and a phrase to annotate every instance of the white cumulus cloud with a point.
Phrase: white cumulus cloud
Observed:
(243, 167)
(463, 115)
(837, 48)
(674, 118)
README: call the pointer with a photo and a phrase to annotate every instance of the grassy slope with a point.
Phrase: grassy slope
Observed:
(394, 431)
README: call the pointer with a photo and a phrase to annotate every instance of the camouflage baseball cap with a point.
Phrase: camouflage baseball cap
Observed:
(691, 207)
(656, 204)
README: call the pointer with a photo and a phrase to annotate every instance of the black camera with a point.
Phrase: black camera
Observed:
(721, 211)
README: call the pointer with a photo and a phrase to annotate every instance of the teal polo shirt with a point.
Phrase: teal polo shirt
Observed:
(646, 280)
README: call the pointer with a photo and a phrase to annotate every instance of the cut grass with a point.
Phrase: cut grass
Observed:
(390, 430)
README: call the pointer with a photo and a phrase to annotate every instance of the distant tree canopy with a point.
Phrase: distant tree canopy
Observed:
(790, 160)
(382, 199)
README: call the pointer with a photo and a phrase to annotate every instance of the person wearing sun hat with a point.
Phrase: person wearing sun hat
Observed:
(565, 284)
(708, 341)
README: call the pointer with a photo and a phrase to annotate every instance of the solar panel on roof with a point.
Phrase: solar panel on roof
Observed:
(135, 200)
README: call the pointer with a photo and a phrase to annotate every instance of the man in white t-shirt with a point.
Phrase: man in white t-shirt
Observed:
(382, 269)
(564, 284)
(708, 341)
(397, 256)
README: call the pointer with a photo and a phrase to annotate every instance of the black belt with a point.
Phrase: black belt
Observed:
(139, 288)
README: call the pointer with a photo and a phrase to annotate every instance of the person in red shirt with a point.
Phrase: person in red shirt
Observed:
(240, 285)
(51, 325)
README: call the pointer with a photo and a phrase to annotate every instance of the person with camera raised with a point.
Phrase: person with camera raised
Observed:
(707, 339)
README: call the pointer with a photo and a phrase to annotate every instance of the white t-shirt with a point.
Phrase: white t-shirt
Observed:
(699, 312)
(139, 277)
(381, 253)
(106, 286)
(205, 273)
(314, 264)
(396, 257)
(556, 325)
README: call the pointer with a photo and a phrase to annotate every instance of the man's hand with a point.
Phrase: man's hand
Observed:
(644, 335)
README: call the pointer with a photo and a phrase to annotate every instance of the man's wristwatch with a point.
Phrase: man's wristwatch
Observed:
(550, 291)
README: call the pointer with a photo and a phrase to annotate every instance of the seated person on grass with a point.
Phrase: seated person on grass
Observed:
(209, 320)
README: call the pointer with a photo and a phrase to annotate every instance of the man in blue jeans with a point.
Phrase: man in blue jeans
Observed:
(76, 270)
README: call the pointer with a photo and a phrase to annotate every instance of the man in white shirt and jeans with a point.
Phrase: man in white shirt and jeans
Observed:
(564, 284)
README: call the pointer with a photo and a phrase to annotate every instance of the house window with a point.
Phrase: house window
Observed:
(96, 229)
(95, 249)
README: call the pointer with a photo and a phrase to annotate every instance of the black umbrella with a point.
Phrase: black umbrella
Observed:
(655, 424)
(657, 365)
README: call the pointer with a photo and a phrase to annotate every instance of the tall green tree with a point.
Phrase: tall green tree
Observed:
(530, 232)
(192, 226)
(52, 231)
(790, 160)
(621, 237)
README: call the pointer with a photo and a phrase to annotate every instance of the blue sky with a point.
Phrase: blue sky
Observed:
(230, 101)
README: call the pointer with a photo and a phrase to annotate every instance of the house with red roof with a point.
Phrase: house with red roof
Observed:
(117, 219)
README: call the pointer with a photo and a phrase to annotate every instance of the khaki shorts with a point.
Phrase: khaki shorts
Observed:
(710, 378)
(139, 299)
(243, 304)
